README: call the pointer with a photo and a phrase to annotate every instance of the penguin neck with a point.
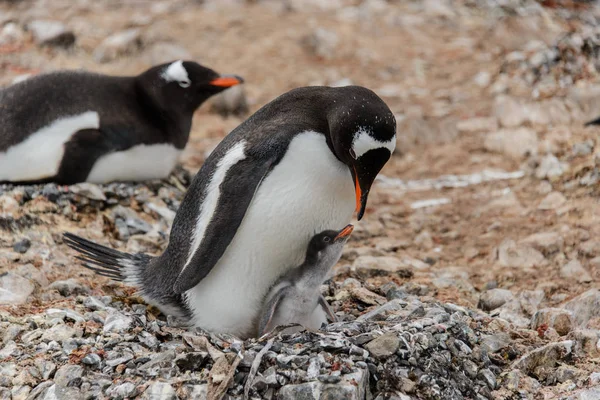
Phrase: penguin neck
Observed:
(177, 123)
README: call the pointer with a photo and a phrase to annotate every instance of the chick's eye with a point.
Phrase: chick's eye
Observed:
(184, 84)
(352, 154)
(326, 239)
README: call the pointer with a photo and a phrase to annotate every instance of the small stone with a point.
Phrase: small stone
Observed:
(496, 342)
(482, 79)
(546, 242)
(91, 359)
(488, 377)
(88, 190)
(122, 391)
(384, 346)
(510, 112)
(67, 373)
(366, 296)
(119, 44)
(545, 357)
(515, 143)
(94, 304)
(14, 289)
(494, 298)
(51, 33)
(385, 264)
(511, 254)
(59, 332)
(559, 319)
(478, 125)
(585, 306)
(322, 43)
(22, 246)
(46, 368)
(159, 390)
(116, 322)
(550, 168)
(552, 201)
(68, 288)
(574, 270)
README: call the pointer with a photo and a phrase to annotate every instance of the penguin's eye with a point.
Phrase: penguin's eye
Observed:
(185, 84)
(352, 154)
(326, 239)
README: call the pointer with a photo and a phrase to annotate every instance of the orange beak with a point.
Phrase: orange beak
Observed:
(358, 191)
(227, 81)
(344, 233)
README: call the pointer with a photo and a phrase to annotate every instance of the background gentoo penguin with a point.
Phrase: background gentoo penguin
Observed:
(72, 126)
(295, 297)
(304, 160)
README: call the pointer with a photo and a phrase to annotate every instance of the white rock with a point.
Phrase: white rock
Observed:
(552, 201)
(14, 289)
(51, 33)
(550, 167)
(574, 270)
(511, 254)
(546, 242)
(510, 112)
(480, 124)
(159, 391)
(515, 143)
(119, 44)
(585, 306)
(116, 322)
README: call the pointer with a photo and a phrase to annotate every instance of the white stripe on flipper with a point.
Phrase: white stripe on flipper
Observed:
(213, 192)
(39, 155)
(364, 142)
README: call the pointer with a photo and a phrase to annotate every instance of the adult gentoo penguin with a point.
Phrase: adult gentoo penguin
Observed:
(73, 126)
(295, 297)
(301, 164)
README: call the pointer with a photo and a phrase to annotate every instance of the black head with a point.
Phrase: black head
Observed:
(325, 239)
(362, 131)
(184, 85)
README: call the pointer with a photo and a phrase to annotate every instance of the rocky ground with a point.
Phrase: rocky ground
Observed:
(474, 274)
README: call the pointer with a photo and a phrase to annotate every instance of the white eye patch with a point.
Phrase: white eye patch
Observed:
(176, 72)
(364, 142)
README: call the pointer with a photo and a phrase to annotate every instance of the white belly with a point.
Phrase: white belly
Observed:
(139, 163)
(39, 156)
(308, 191)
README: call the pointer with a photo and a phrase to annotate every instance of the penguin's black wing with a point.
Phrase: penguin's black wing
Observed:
(85, 148)
(265, 320)
(236, 192)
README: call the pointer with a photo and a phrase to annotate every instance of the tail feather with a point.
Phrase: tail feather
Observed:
(107, 262)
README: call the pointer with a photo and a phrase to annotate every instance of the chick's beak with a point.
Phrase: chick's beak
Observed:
(344, 233)
(227, 81)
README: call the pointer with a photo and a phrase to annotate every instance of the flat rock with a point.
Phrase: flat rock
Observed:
(88, 190)
(119, 44)
(585, 306)
(511, 254)
(494, 298)
(552, 201)
(574, 270)
(14, 289)
(546, 356)
(515, 143)
(559, 319)
(546, 242)
(384, 346)
(159, 390)
(68, 373)
(51, 33)
(116, 322)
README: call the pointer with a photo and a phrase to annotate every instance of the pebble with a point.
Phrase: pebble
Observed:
(515, 143)
(51, 33)
(550, 168)
(67, 374)
(559, 319)
(119, 44)
(22, 245)
(552, 201)
(511, 254)
(494, 298)
(585, 306)
(116, 322)
(14, 289)
(547, 242)
(159, 390)
(384, 346)
(68, 287)
(574, 270)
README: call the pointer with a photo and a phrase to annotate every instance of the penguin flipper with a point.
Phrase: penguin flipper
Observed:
(266, 321)
(328, 311)
(236, 193)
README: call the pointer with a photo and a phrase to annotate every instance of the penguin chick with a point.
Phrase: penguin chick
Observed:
(295, 297)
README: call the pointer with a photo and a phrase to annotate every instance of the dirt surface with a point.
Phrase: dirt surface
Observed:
(470, 94)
